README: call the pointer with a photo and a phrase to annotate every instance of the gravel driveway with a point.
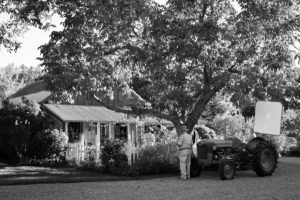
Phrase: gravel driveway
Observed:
(283, 185)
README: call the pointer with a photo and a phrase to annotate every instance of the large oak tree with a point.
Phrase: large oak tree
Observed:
(178, 56)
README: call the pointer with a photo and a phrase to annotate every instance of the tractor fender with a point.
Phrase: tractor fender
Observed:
(252, 145)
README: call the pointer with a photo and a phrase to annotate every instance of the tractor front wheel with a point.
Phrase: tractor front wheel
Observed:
(226, 170)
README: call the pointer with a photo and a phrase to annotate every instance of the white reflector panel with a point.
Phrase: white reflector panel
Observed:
(267, 117)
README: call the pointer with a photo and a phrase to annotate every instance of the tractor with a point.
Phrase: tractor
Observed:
(231, 154)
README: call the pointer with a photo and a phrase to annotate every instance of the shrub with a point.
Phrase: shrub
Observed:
(160, 158)
(90, 161)
(291, 122)
(19, 124)
(89, 165)
(47, 162)
(233, 125)
(229, 124)
(113, 158)
(294, 151)
(289, 146)
(25, 135)
(48, 144)
(205, 132)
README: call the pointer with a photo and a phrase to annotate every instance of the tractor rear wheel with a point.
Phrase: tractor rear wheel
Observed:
(226, 170)
(265, 160)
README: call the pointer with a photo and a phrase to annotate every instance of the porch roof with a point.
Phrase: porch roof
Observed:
(83, 113)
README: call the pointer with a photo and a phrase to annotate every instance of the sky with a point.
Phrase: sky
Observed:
(31, 40)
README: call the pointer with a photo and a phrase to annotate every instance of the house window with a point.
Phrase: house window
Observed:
(121, 131)
(74, 129)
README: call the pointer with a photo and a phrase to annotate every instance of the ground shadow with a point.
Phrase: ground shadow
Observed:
(14, 175)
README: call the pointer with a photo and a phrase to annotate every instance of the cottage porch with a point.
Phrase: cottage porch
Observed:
(89, 126)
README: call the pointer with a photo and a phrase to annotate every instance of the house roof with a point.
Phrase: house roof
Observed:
(35, 87)
(37, 91)
(78, 113)
(33, 92)
(82, 113)
(38, 97)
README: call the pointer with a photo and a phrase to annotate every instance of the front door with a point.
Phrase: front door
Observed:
(91, 134)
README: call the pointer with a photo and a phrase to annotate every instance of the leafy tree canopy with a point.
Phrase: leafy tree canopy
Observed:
(178, 56)
(13, 78)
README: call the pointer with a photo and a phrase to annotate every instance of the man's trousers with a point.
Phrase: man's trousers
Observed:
(185, 162)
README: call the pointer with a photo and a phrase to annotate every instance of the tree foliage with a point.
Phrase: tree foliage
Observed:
(178, 56)
(20, 15)
(291, 123)
(13, 78)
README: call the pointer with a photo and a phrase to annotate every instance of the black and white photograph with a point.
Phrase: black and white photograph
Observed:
(150, 99)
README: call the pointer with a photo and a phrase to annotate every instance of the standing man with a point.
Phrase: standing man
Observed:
(185, 143)
(160, 135)
(149, 138)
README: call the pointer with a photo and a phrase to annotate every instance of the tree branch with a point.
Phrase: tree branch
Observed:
(204, 9)
(79, 62)
(232, 70)
(219, 81)
(206, 75)
(136, 111)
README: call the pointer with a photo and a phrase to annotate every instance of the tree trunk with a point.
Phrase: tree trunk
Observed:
(196, 113)
(199, 108)
(178, 128)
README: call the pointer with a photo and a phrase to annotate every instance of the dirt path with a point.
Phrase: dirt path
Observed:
(283, 185)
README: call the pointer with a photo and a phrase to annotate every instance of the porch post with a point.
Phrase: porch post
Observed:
(111, 128)
(66, 128)
(129, 136)
(98, 142)
(67, 133)
(82, 141)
